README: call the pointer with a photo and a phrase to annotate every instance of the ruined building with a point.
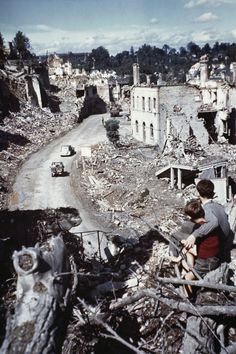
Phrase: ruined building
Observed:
(204, 107)
(20, 80)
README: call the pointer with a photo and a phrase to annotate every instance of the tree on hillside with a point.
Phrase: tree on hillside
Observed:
(132, 52)
(182, 52)
(193, 48)
(206, 49)
(21, 44)
(100, 58)
(232, 52)
(166, 48)
(2, 54)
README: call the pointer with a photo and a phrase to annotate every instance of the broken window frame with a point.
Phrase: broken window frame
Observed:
(149, 104)
(154, 103)
(143, 103)
(144, 131)
(151, 131)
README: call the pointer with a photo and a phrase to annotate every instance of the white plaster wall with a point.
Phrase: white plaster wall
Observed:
(176, 103)
(148, 116)
(207, 96)
(222, 97)
(232, 98)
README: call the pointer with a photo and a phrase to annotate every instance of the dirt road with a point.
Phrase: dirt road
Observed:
(34, 187)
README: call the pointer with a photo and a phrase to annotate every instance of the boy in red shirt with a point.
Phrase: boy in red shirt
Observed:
(208, 246)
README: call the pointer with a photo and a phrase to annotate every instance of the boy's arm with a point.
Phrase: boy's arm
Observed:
(210, 224)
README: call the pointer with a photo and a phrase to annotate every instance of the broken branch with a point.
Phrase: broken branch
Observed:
(204, 310)
(198, 283)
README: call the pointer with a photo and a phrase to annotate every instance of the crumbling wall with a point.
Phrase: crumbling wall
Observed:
(42, 73)
(8, 101)
(181, 107)
(103, 92)
(34, 92)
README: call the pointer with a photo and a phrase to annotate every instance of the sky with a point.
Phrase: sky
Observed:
(82, 25)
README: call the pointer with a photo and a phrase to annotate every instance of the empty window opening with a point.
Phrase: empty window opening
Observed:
(143, 103)
(144, 131)
(154, 103)
(151, 131)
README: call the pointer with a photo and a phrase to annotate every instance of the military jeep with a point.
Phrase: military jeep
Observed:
(57, 169)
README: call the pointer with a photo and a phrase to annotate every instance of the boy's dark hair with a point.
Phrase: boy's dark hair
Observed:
(194, 209)
(205, 188)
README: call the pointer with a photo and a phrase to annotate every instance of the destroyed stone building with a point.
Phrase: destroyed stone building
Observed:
(203, 107)
(104, 84)
(27, 80)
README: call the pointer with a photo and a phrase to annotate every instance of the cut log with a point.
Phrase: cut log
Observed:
(39, 320)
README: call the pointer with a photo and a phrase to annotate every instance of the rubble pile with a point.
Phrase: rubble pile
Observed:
(24, 132)
(83, 106)
(67, 95)
(133, 269)
(122, 185)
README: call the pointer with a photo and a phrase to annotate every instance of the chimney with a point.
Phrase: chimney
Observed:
(136, 77)
(203, 73)
(233, 71)
(203, 70)
(148, 79)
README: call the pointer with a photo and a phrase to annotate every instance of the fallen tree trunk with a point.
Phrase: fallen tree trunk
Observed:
(175, 304)
(39, 320)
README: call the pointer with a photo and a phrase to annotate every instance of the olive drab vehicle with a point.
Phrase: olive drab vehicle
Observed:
(57, 169)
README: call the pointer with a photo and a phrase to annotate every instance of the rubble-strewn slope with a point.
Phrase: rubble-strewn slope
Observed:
(122, 185)
(24, 132)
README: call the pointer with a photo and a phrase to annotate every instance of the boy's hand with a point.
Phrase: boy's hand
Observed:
(175, 259)
(190, 241)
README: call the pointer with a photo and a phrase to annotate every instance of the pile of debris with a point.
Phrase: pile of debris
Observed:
(122, 183)
(66, 92)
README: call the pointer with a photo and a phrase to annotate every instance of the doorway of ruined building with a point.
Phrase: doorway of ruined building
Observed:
(208, 119)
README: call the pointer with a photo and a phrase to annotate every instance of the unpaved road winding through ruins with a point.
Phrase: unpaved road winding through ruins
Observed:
(34, 188)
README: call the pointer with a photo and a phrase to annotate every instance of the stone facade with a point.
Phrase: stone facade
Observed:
(160, 111)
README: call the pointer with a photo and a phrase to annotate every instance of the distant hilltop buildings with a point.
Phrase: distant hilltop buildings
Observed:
(106, 84)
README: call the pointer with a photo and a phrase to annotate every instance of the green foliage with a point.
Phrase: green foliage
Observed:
(112, 130)
(99, 59)
(21, 44)
(1, 41)
(2, 49)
